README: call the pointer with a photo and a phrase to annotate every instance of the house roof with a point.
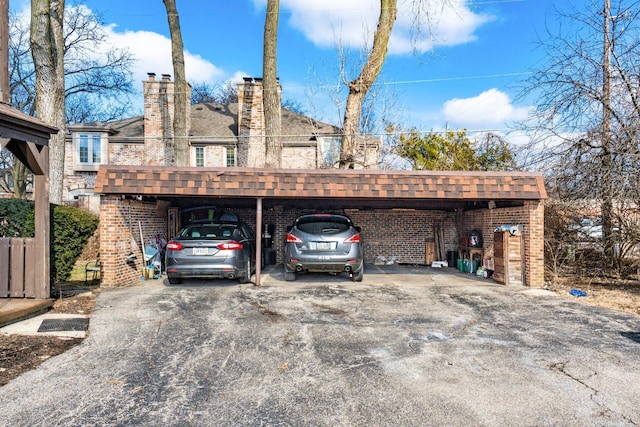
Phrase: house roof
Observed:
(212, 122)
(349, 186)
(220, 121)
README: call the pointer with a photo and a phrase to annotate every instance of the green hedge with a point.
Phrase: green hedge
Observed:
(71, 228)
(14, 216)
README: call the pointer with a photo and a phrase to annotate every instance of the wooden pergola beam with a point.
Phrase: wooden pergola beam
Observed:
(27, 138)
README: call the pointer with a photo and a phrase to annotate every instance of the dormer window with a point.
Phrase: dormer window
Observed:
(90, 150)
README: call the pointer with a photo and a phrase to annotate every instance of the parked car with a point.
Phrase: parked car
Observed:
(211, 249)
(323, 242)
(588, 229)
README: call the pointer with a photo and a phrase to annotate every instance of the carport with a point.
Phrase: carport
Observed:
(400, 200)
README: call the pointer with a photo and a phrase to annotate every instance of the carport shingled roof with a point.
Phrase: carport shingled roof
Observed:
(318, 183)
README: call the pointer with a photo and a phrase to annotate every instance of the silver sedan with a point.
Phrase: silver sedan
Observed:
(216, 249)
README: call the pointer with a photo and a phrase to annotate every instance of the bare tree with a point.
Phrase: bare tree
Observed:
(226, 93)
(98, 87)
(271, 101)
(181, 103)
(47, 49)
(359, 87)
(588, 100)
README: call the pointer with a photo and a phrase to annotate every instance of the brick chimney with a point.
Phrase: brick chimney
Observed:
(251, 132)
(158, 119)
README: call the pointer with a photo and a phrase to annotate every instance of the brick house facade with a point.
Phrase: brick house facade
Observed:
(124, 172)
(229, 135)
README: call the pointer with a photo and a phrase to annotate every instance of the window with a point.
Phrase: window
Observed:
(230, 156)
(329, 151)
(89, 148)
(199, 156)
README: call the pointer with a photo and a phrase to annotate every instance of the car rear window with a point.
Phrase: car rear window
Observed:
(209, 231)
(323, 224)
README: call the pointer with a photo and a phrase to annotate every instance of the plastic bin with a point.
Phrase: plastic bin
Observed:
(474, 265)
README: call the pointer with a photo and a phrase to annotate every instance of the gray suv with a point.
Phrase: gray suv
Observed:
(323, 242)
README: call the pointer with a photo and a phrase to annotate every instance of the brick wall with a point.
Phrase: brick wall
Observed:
(127, 154)
(401, 234)
(398, 233)
(215, 156)
(531, 216)
(158, 119)
(534, 245)
(300, 157)
(120, 235)
(388, 233)
(251, 132)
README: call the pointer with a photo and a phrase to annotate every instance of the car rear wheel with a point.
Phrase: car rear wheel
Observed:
(247, 274)
(174, 280)
(357, 276)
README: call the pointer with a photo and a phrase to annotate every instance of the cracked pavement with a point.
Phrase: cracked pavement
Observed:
(417, 347)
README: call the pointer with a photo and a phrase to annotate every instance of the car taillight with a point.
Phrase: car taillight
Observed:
(353, 239)
(293, 239)
(174, 246)
(230, 246)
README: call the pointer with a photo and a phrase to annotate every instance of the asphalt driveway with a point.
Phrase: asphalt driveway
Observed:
(412, 348)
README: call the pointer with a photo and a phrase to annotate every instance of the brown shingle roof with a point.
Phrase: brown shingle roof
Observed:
(214, 122)
(211, 121)
(319, 183)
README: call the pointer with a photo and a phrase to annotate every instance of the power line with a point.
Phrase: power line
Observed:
(434, 80)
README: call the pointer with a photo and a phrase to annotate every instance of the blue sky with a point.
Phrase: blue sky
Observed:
(463, 74)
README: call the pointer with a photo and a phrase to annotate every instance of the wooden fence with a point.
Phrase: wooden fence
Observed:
(17, 272)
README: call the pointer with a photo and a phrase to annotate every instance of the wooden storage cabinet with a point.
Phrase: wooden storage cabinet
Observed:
(508, 258)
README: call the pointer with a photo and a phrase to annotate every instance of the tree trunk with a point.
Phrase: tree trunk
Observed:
(47, 49)
(181, 101)
(271, 100)
(359, 87)
(20, 176)
(606, 206)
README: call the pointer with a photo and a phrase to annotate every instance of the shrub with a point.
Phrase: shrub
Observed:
(15, 215)
(70, 230)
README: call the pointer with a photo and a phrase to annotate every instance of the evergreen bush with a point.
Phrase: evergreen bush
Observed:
(71, 228)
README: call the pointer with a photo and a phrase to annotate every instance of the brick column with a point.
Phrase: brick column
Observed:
(534, 244)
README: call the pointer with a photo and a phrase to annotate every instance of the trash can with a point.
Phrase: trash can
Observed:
(460, 265)
(269, 256)
(267, 235)
(452, 258)
(474, 265)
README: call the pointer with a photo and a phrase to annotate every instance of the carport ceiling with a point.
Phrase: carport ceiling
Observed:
(322, 188)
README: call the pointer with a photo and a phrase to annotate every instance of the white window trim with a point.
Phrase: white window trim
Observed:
(104, 150)
(194, 156)
(235, 156)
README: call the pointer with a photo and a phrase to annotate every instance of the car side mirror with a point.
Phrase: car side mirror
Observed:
(289, 228)
(358, 229)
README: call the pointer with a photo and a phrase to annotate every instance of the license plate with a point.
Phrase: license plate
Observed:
(200, 251)
(323, 246)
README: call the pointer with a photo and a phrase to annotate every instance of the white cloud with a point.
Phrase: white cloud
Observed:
(352, 23)
(152, 52)
(489, 109)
